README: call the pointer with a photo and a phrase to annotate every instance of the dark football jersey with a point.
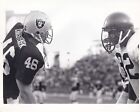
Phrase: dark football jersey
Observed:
(22, 60)
(76, 86)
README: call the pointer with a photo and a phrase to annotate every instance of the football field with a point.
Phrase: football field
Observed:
(82, 99)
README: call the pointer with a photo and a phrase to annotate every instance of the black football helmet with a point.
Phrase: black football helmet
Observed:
(116, 30)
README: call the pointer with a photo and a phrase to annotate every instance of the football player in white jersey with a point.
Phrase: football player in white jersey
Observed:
(40, 86)
(118, 37)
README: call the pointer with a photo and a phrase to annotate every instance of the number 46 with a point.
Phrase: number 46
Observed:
(31, 63)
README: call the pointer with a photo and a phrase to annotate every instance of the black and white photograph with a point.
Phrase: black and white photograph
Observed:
(74, 52)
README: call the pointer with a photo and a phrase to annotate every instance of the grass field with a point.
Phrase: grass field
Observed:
(82, 99)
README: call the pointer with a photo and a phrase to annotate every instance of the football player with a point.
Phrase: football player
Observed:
(40, 87)
(99, 93)
(119, 38)
(22, 57)
(75, 90)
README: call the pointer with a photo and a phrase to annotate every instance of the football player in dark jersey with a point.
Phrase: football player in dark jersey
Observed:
(120, 38)
(22, 57)
(75, 90)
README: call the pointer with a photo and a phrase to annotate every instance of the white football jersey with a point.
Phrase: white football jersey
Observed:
(127, 59)
(133, 52)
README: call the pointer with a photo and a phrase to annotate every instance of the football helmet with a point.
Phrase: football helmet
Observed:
(38, 25)
(117, 30)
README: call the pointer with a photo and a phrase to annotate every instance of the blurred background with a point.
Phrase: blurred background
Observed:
(76, 58)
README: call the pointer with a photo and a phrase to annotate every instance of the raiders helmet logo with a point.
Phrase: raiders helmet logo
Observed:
(40, 23)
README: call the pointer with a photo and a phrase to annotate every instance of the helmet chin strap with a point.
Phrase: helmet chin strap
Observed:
(121, 40)
(44, 51)
(36, 38)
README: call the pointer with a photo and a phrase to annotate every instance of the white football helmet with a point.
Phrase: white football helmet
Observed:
(38, 25)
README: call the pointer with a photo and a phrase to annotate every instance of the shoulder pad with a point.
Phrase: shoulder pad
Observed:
(133, 47)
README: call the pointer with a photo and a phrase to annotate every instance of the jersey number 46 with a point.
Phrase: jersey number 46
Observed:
(31, 63)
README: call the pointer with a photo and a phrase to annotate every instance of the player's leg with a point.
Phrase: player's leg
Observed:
(73, 97)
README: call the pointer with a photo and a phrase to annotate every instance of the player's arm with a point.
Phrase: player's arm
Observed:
(124, 95)
(123, 98)
(26, 95)
(27, 66)
(24, 78)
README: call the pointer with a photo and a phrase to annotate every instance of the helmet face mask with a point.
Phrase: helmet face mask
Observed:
(49, 38)
(44, 37)
(38, 25)
(110, 38)
(116, 29)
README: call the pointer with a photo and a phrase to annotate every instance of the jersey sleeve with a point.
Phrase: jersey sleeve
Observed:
(27, 66)
(133, 47)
